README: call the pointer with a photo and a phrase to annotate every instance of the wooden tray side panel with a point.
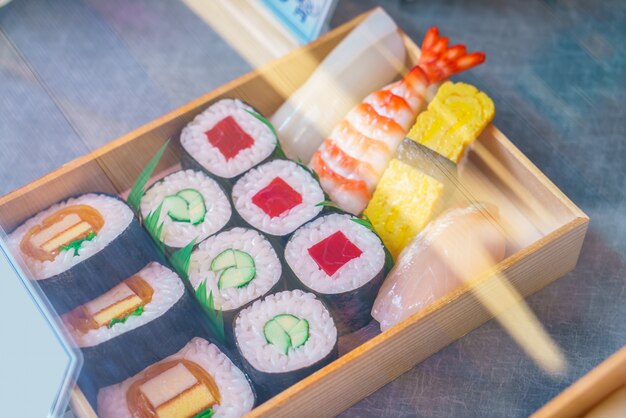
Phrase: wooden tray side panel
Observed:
(34, 197)
(590, 390)
(384, 358)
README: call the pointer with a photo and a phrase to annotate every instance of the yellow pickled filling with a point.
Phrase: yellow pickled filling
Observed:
(55, 229)
(66, 236)
(187, 404)
(118, 310)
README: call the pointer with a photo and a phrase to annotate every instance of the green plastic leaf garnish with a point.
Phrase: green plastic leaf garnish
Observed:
(75, 245)
(215, 316)
(364, 221)
(312, 172)
(154, 227)
(279, 149)
(136, 192)
(181, 258)
(328, 204)
(123, 319)
(207, 413)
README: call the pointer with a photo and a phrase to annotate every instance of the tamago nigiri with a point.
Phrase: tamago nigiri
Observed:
(406, 198)
(351, 161)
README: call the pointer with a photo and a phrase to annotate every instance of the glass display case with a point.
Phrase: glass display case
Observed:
(261, 237)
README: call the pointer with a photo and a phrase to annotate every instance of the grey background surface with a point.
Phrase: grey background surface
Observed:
(75, 74)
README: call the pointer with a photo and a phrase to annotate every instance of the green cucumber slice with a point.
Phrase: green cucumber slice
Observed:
(299, 334)
(177, 208)
(286, 321)
(288, 326)
(243, 259)
(236, 277)
(223, 260)
(276, 335)
(196, 206)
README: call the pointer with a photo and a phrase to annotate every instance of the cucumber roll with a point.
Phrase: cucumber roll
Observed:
(227, 139)
(78, 249)
(197, 381)
(237, 266)
(341, 261)
(277, 197)
(194, 206)
(284, 338)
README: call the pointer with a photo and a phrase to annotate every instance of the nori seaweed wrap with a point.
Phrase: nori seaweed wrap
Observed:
(79, 248)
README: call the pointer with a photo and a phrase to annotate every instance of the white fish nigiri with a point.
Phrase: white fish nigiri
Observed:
(459, 245)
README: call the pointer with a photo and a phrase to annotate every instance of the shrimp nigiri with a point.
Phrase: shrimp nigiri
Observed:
(458, 246)
(351, 161)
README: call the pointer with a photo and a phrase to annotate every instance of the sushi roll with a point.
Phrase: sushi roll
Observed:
(341, 261)
(237, 266)
(80, 248)
(197, 381)
(277, 197)
(284, 338)
(124, 327)
(227, 139)
(194, 206)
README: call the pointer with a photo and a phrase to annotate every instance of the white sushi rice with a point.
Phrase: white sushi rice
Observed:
(178, 234)
(267, 265)
(168, 289)
(236, 394)
(265, 357)
(292, 174)
(352, 275)
(116, 214)
(195, 142)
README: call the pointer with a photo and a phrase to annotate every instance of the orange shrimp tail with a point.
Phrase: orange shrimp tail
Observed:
(438, 61)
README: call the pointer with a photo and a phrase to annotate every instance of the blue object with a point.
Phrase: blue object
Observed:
(38, 365)
(304, 18)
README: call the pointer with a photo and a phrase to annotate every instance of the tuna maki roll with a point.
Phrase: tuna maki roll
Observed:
(284, 338)
(68, 248)
(194, 206)
(228, 139)
(343, 262)
(197, 381)
(277, 197)
(237, 266)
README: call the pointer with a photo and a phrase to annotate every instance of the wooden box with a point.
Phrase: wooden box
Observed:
(590, 390)
(549, 227)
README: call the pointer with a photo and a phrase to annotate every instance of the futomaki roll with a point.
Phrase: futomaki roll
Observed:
(78, 249)
(277, 197)
(194, 206)
(228, 139)
(343, 262)
(197, 381)
(237, 266)
(121, 331)
(284, 338)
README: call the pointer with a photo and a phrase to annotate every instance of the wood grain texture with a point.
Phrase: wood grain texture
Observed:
(115, 166)
(589, 391)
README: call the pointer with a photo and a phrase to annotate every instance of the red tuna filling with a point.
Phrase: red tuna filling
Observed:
(228, 137)
(333, 252)
(277, 198)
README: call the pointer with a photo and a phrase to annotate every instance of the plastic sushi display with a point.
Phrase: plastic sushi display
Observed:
(223, 283)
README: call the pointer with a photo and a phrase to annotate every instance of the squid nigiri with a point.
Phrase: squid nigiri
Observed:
(458, 246)
(351, 161)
